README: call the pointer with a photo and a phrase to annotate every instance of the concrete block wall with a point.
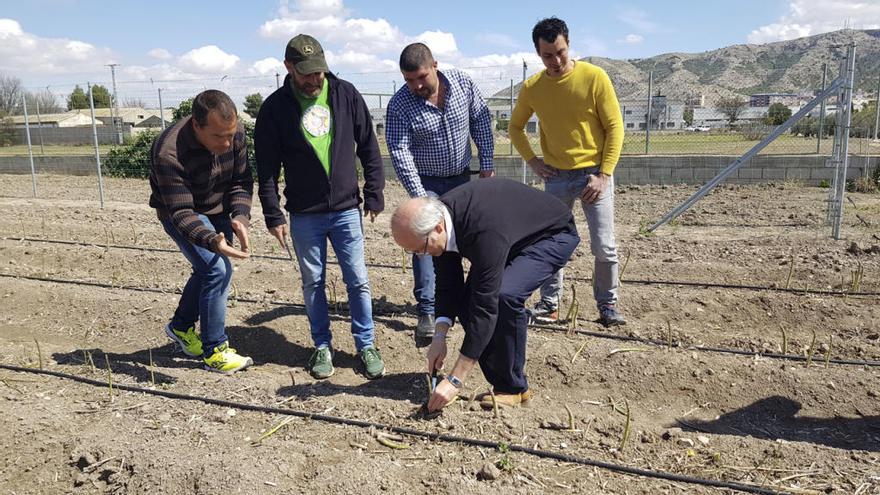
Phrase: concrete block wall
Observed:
(666, 169)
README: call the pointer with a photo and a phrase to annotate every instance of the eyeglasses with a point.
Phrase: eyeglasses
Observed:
(424, 251)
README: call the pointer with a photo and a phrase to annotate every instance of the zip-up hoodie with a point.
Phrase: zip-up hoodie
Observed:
(279, 140)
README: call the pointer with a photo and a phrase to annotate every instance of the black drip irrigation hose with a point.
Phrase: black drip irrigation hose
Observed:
(473, 442)
(684, 283)
(580, 331)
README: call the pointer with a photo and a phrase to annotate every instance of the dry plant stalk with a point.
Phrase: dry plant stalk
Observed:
(390, 443)
(668, 334)
(39, 354)
(152, 375)
(623, 268)
(626, 427)
(811, 350)
(403, 260)
(109, 377)
(784, 340)
(626, 349)
(494, 403)
(790, 272)
(572, 308)
(570, 419)
(578, 352)
(275, 429)
(828, 351)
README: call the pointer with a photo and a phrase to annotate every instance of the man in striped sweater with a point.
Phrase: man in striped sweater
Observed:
(201, 189)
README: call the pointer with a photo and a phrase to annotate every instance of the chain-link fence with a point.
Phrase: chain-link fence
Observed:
(669, 122)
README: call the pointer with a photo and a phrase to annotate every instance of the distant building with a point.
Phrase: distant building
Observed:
(665, 114)
(767, 99)
(695, 101)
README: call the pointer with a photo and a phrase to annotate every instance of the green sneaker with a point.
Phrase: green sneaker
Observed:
(373, 364)
(321, 363)
(225, 360)
(188, 340)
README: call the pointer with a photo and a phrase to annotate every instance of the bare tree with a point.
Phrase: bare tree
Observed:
(732, 107)
(10, 94)
(44, 101)
(134, 102)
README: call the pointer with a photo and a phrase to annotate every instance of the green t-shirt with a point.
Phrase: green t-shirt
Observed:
(317, 123)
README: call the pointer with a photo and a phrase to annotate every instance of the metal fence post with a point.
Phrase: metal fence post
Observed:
(27, 131)
(97, 151)
(161, 110)
(648, 118)
(510, 116)
(40, 128)
(844, 153)
(821, 112)
(877, 110)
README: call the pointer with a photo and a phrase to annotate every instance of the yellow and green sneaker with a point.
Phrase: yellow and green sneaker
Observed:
(225, 360)
(188, 340)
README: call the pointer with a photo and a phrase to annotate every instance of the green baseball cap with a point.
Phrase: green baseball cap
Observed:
(306, 55)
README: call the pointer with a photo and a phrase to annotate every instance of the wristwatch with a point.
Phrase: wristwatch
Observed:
(454, 381)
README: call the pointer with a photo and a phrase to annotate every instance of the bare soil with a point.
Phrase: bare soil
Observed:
(788, 425)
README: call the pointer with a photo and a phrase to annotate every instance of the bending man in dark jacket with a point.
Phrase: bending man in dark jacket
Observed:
(311, 126)
(201, 189)
(515, 237)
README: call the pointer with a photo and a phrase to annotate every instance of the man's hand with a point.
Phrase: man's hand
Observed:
(241, 231)
(221, 247)
(444, 393)
(372, 214)
(541, 169)
(485, 174)
(280, 232)
(436, 354)
(596, 185)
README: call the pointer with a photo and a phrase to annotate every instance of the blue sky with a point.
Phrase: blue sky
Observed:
(185, 46)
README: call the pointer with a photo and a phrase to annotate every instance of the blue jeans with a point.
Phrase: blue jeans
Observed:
(423, 266)
(204, 295)
(310, 232)
(567, 185)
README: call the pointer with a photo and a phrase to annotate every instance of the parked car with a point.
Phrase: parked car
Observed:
(699, 128)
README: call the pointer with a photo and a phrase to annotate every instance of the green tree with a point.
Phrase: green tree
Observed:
(732, 107)
(184, 110)
(688, 116)
(252, 104)
(79, 99)
(777, 114)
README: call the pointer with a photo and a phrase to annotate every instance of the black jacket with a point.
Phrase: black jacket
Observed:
(278, 139)
(494, 220)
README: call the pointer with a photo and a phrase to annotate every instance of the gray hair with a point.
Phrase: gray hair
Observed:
(429, 214)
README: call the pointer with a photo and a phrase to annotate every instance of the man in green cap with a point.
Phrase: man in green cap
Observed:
(309, 126)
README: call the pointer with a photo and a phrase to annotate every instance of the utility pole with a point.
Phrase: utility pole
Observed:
(161, 110)
(115, 104)
(821, 111)
(525, 67)
(648, 119)
(277, 80)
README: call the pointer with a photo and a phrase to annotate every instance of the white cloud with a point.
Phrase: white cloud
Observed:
(270, 65)
(638, 19)
(23, 53)
(208, 58)
(159, 53)
(809, 17)
(441, 43)
(632, 39)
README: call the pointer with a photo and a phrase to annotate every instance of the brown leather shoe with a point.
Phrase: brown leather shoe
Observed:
(505, 400)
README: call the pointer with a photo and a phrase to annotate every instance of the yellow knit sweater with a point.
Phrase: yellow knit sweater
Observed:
(579, 119)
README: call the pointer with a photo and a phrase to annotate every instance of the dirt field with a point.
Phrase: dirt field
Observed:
(786, 425)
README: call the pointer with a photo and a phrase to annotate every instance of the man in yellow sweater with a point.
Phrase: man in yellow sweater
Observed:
(581, 136)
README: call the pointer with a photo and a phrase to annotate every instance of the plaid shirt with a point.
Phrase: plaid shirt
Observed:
(187, 179)
(424, 140)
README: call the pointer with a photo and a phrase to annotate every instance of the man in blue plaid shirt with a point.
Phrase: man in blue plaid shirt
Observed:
(428, 127)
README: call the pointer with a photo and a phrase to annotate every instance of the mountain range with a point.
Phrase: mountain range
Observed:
(793, 66)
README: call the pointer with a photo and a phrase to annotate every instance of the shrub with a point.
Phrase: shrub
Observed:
(131, 159)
